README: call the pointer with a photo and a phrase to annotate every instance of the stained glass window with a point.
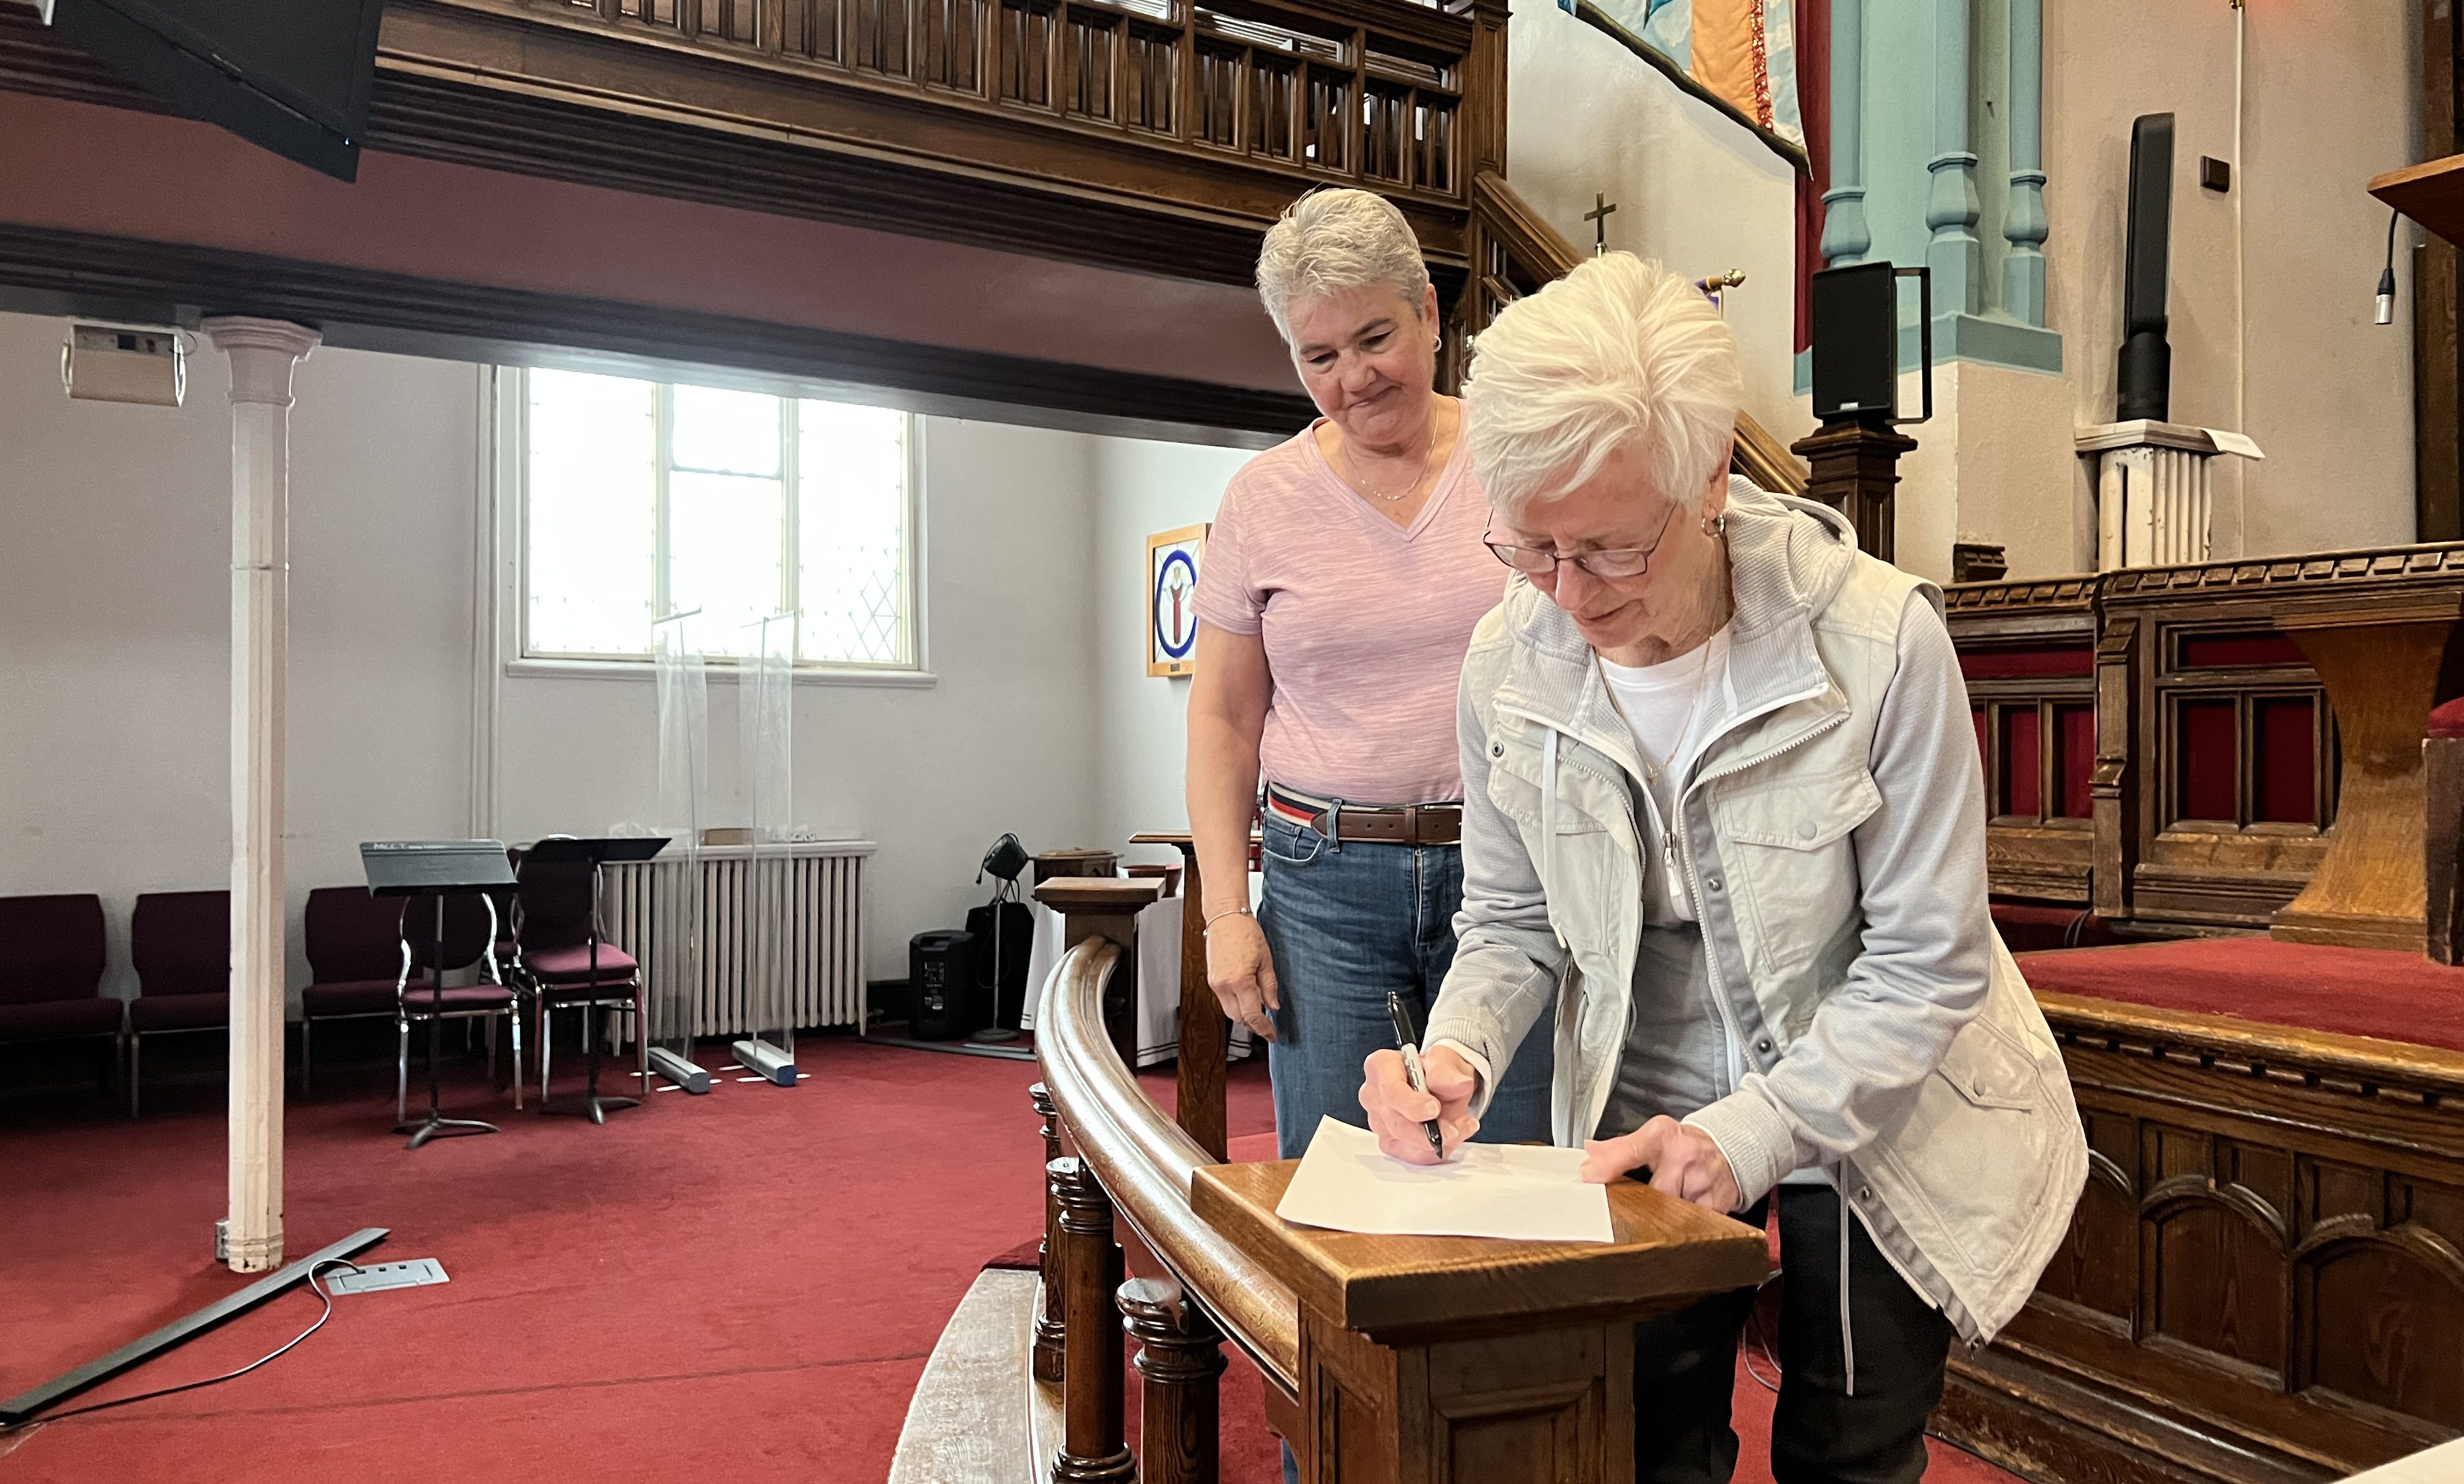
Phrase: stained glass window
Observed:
(645, 498)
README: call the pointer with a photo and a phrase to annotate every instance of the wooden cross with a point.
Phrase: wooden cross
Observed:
(1599, 217)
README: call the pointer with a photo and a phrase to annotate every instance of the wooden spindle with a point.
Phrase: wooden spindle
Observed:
(1049, 1320)
(1180, 1359)
(1091, 1449)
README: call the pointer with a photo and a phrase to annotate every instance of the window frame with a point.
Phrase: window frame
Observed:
(511, 495)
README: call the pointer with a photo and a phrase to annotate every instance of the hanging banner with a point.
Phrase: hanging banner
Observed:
(1738, 55)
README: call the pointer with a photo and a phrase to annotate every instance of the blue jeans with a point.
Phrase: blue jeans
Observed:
(1346, 924)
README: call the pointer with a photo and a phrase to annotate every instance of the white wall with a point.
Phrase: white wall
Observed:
(114, 651)
(1141, 488)
(115, 584)
(1693, 188)
(2329, 100)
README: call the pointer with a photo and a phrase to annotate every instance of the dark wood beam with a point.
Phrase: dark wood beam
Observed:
(44, 271)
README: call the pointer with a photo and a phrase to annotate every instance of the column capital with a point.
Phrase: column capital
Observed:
(262, 353)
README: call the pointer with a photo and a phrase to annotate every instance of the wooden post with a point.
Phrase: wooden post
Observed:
(1204, 1032)
(1105, 907)
(1091, 1449)
(1180, 1358)
(2379, 660)
(1854, 468)
(1049, 1321)
(1444, 1360)
(263, 354)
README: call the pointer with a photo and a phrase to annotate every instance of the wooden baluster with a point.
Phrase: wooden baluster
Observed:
(1180, 1359)
(1048, 1319)
(1091, 1449)
(1204, 1030)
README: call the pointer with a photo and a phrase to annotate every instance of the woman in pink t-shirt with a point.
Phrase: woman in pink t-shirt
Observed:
(1341, 584)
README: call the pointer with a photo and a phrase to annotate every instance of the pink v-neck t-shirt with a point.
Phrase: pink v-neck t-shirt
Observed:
(1365, 622)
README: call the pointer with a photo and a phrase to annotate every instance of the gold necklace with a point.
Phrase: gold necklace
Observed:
(1362, 485)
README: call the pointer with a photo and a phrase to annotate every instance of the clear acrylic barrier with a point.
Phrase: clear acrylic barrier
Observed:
(765, 741)
(684, 786)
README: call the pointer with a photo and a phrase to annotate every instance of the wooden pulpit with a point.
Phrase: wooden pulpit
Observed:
(1459, 1359)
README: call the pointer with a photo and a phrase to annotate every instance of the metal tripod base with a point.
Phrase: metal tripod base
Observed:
(767, 1061)
(595, 1106)
(434, 1127)
(677, 1070)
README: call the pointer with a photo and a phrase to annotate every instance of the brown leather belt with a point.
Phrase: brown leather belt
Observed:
(1389, 824)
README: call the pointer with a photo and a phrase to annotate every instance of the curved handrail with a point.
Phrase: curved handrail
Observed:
(1145, 1163)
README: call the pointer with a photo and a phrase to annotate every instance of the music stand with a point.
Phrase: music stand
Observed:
(567, 850)
(437, 868)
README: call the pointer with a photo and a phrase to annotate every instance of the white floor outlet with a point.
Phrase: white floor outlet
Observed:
(377, 1276)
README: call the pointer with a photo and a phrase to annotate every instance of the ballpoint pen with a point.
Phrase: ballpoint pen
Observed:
(1404, 1037)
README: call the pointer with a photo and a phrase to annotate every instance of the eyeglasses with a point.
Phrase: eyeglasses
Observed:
(1628, 561)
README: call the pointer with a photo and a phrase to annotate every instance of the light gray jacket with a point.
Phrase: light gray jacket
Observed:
(1832, 834)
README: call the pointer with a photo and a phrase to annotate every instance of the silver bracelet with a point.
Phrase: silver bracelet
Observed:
(1230, 911)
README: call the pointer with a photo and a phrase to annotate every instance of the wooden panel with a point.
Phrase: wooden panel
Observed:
(2262, 1281)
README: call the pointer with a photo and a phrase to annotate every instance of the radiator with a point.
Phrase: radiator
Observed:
(816, 899)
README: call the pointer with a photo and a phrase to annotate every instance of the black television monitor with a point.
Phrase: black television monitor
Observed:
(292, 75)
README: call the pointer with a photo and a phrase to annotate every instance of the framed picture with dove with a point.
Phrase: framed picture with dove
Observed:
(1171, 593)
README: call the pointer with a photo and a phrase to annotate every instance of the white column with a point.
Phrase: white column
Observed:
(262, 354)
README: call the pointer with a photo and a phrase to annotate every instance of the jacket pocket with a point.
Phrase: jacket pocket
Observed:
(1793, 862)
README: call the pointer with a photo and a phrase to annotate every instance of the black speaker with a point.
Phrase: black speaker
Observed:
(2143, 380)
(941, 973)
(1856, 344)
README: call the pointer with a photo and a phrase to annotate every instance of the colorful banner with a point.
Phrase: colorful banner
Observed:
(1737, 55)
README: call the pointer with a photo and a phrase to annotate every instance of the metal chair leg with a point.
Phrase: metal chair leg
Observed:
(307, 1059)
(515, 1014)
(492, 1050)
(547, 1040)
(136, 1043)
(400, 1070)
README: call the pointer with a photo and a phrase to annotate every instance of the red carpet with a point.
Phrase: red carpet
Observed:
(2351, 992)
(749, 1282)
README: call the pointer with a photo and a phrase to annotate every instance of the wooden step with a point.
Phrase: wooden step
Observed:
(968, 1420)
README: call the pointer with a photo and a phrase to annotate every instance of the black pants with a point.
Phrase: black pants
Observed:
(1684, 1365)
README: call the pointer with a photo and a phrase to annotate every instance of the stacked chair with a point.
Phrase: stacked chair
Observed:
(180, 941)
(554, 937)
(51, 973)
(470, 942)
(354, 963)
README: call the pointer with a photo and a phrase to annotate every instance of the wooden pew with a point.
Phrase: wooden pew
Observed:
(1397, 1361)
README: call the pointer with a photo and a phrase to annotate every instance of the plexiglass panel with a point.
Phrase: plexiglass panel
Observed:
(592, 526)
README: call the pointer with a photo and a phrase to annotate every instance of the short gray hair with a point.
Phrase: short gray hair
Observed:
(1618, 352)
(1337, 239)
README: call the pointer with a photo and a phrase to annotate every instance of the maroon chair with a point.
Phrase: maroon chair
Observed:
(51, 972)
(180, 941)
(470, 943)
(554, 939)
(354, 963)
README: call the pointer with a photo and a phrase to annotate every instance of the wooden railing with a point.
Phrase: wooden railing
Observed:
(1513, 253)
(1213, 113)
(1406, 1348)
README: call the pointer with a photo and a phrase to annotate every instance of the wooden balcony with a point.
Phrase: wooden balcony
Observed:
(1158, 133)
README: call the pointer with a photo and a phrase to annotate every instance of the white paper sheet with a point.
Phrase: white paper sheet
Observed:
(1517, 1192)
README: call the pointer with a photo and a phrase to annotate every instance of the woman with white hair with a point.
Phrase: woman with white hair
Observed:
(1342, 579)
(1723, 835)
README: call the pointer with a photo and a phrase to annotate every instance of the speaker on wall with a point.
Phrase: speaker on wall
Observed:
(2143, 381)
(1856, 343)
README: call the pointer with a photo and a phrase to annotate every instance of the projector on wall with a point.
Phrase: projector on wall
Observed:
(124, 363)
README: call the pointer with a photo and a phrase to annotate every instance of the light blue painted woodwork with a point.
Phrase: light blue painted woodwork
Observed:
(1845, 239)
(1925, 94)
(1951, 207)
(2023, 223)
